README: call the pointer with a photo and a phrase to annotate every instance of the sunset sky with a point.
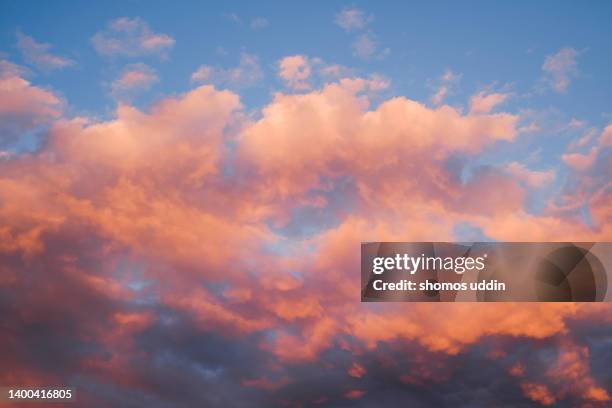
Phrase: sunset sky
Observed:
(184, 187)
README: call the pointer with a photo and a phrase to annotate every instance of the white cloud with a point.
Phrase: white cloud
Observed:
(131, 37)
(38, 54)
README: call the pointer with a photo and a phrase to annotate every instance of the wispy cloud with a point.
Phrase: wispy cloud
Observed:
(133, 79)
(38, 54)
(364, 46)
(560, 68)
(532, 178)
(246, 74)
(448, 81)
(131, 37)
(352, 19)
(484, 102)
(259, 22)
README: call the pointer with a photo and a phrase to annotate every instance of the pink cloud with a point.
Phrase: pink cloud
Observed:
(352, 19)
(131, 37)
(560, 68)
(365, 46)
(448, 81)
(153, 183)
(247, 73)
(530, 177)
(485, 102)
(579, 161)
(295, 71)
(23, 106)
(137, 77)
(38, 54)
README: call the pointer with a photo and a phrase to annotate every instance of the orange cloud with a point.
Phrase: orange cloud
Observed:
(356, 370)
(354, 394)
(538, 393)
(156, 184)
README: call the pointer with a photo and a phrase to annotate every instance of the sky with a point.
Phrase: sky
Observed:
(184, 189)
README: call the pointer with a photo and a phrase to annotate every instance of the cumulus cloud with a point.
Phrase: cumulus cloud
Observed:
(38, 54)
(134, 78)
(352, 19)
(131, 37)
(135, 217)
(560, 68)
(247, 73)
(23, 106)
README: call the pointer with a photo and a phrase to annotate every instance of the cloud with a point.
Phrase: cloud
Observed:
(560, 68)
(538, 393)
(580, 161)
(134, 78)
(572, 371)
(23, 106)
(302, 73)
(354, 394)
(530, 177)
(247, 73)
(130, 38)
(606, 137)
(38, 54)
(584, 139)
(364, 46)
(584, 161)
(295, 71)
(259, 22)
(351, 19)
(484, 102)
(448, 81)
(356, 370)
(165, 235)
